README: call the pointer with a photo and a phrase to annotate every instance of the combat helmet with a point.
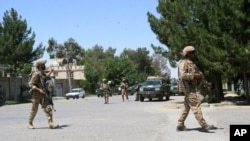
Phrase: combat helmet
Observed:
(40, 61)
(187, 49)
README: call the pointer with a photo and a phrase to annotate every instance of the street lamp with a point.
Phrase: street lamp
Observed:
(68, 61)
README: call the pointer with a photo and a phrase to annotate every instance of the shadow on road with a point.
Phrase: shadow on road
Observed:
(204, 131)
(59, 127)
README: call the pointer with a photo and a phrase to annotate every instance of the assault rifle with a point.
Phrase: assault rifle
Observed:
(47, 97)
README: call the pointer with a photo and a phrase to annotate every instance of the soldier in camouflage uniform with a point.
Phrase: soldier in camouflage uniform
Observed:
(124, 87)
(105, 90)
(37, 84)
(190, 77)
(137, 87)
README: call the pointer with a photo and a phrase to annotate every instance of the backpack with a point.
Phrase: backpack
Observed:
(50, 83)
(181, 87)
(29, 79)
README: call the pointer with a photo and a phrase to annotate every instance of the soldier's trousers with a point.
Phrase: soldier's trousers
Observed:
(192, 102)
(36, 100)
(136, 96)
(106, 96)
(124, 93)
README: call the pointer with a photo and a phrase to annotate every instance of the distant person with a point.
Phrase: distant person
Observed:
(110, 92)
(124, 87)
(105, 90)
(137, 86)
(37, 83)
(190, 77)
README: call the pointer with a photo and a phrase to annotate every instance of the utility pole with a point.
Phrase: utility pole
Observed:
(68, 61)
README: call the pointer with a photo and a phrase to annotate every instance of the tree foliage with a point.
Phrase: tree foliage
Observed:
(133, 65)
(160, 65)
(219, 30)
(141, 58)
(16, 43)
(70, 49)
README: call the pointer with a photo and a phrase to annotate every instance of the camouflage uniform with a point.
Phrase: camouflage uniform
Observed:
(124, 87)
(137, 91)
(38, 79)
(106, 91)
(187, 69)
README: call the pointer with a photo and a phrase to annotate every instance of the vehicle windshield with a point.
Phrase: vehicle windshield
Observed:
(74, 90)
(174, 84)
(153, 82)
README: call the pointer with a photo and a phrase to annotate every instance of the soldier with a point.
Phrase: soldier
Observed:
(137, 91)
(124, 87)
(105, 90)
(37, 85)
(110, 86)
(190, 77)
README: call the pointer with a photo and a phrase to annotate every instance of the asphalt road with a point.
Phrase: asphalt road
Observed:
(90, 119)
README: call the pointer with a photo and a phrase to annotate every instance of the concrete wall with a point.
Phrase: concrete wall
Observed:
(10, 86)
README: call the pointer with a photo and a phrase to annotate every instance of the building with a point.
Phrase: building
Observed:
(2, 70)
(67, 75)
(10, 85)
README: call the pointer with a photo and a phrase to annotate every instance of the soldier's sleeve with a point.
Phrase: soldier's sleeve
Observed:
(183, 70)
(34, 80)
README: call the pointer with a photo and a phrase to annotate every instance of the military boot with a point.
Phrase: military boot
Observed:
(52, 125)
(30, 125)
(106, 100)
(123, 98)
(30, 122)
(127, 97)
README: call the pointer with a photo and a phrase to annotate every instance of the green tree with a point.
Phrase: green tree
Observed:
(70, 49)
(16, 43)
(141, 59)
(52, 48)
(94, 68)
(160, 65)
(116, 69)
(219, 30)
(92, 77)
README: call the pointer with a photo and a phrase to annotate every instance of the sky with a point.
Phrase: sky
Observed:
(118, 24)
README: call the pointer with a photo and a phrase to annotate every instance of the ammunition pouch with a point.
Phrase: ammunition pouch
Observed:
(31, 92)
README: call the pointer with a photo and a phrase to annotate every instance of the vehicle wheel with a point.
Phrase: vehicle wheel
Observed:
(160, 98)
(1, 101)
(141, 98)
(83, 96)
(167, 97)
(150, 99)
(73, 97)
(67, 98)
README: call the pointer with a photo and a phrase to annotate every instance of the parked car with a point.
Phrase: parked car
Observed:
(174, 89)
(130, 90)
(154, 87)
(99, 92)
(76, 93)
